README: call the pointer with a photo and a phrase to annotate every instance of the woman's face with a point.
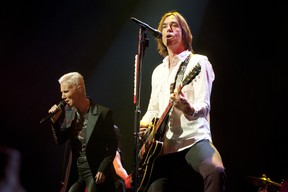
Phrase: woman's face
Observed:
(70, 93)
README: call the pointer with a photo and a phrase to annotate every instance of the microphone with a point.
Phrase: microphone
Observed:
(156, 33)
(49, 115)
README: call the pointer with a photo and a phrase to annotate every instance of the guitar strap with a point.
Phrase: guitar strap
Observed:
(178, 79)
(180, 73)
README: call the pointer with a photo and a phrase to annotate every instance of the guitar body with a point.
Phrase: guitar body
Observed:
(146, 165)
(152, 143)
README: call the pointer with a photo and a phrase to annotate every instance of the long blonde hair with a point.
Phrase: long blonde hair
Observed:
(186, 33)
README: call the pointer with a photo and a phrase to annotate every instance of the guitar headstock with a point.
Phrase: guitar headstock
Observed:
(192, 74)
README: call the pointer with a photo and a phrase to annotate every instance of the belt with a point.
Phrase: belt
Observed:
(81, 160)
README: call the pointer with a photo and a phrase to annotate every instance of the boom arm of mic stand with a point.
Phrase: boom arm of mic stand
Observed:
(143, 42)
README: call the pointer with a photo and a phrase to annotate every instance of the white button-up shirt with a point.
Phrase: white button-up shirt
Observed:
(182, 132)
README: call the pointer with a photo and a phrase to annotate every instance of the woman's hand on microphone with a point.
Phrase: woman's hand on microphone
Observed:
(57, 110)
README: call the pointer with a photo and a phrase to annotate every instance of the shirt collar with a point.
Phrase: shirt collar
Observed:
(180, 57)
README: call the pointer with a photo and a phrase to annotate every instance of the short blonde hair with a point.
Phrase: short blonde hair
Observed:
(73, 78)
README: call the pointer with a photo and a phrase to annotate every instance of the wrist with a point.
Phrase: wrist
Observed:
(188, 110)
(190, 113)
(128, 181)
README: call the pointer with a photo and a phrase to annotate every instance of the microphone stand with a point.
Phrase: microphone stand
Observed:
(143, 42)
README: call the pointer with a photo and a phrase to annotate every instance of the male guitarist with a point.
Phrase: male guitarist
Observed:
(185, 138)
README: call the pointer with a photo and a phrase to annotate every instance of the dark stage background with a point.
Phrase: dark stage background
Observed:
(245, 41)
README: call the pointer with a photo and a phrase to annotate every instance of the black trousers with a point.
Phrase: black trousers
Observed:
(86, 179)
(198, 168)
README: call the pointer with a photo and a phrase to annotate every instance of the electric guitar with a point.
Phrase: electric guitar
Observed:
(151, 144)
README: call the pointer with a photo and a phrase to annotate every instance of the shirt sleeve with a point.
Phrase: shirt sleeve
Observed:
(202, 89)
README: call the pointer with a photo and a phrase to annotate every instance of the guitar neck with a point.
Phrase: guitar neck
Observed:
(163, 116)
(166, 111)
